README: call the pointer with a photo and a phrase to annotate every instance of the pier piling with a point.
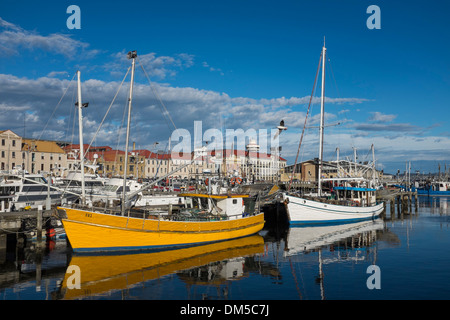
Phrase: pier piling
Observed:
(403, 200)
(39, 225)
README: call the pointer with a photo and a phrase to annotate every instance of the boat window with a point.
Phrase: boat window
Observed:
(119, 190)
(234, 201)
(37, 179)
(110, 188)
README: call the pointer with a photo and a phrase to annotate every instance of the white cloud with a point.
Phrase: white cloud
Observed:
(37, 99)
(57, 73)
(212, 69)
(390, 127)
(380, 117)
(185, 105)
(13, 38)
(155, 66)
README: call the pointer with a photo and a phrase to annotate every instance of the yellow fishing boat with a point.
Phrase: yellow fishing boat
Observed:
(100, 274)
(206, 217)
(220, 217)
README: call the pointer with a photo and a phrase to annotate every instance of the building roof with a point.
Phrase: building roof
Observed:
(9, 131)
(41, 146)
(108, 154)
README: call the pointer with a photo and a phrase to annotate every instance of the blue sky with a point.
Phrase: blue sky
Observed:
(236, 64)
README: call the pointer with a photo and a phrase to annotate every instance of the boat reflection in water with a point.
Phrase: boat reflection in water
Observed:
(347, 237)
(304, 239)
(101, 274)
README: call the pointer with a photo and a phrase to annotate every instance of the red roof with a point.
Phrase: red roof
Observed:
(108, 154)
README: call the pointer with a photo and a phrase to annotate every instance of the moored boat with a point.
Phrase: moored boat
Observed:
(354, 199)
(435, 188)
(213, 218)
(313, 210)
(224, 219)
(24, 190)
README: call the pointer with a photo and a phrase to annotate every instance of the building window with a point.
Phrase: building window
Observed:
(13, 143)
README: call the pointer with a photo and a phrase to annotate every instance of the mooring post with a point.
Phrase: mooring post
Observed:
(410, 201)
(39, 224)
(392, 205)
(416, 204)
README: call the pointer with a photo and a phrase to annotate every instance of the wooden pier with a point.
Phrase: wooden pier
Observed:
(12, 223)
(400, 198)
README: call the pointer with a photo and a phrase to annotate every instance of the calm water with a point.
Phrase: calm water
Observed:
(411, 251)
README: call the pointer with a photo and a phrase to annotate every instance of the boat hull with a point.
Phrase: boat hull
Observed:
(425, 192)
(302, 211)
(95, 232)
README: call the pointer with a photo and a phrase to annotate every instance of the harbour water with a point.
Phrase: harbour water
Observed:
(409, 251)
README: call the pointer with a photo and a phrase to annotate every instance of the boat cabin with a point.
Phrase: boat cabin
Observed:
(359, 196)
(440, 186)
(232, 206)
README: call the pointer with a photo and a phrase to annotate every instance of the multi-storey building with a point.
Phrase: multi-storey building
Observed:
(41, 156)
(250, 164)
(10, 150)
(34, 156)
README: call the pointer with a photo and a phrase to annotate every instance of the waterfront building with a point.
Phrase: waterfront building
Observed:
(10, 150)
(43, 156)
(307, 171)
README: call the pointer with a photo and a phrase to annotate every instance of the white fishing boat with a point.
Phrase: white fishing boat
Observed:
(354, 197)
(114, 186)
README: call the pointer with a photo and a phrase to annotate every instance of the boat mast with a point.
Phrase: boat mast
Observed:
(131, 55)
(80, 125)
(374, 175)
(322, 103)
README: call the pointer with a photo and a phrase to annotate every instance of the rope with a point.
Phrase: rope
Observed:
(165, 111)
(109, 108)
(304, 125)
(54, 110)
